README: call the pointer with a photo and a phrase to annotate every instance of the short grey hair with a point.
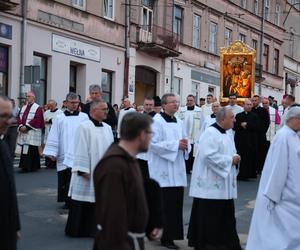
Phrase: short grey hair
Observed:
(164, 99)
(293, 112)
(222, 113)
(96, 102)
(52, 100)
(71, 96)
(95, 87)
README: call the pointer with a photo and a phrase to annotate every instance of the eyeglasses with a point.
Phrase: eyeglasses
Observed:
(6, 116)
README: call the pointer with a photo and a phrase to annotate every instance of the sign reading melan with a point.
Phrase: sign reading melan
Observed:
(75, 48)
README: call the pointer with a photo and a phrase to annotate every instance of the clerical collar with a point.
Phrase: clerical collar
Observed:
(168, 118)
(190, 108)
(218, 127)
(96, 123)
(127, 108)
(213, 116)
(152, 113)
(54, 110)
(71, 113)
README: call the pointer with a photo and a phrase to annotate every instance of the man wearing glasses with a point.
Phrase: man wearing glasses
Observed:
(30, 124)
(93, 137)
(9, 215)
(61, 141)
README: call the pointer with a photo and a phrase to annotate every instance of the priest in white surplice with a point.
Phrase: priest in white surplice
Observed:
(127, 108)
(93, 137)
(232, 104)
(190, 115)
(60, 143)
(213, 187)
(166, 159)
(276, 219)
(206, 108)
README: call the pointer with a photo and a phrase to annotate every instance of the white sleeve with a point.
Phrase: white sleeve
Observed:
(52, 144)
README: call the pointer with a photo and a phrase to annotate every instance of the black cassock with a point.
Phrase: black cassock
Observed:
(246, 143)
(9, 215)
(264, 120)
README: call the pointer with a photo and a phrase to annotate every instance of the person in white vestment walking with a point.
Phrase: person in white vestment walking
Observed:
(232, 104)
(166, 159)
(206, 108)
(92, 137)
(190, 116)
(276, 219)
(127, 108)
(60, 144)
(213, 187)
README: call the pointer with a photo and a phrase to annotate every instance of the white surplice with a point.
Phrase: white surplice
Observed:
(50, 115)
(236, 109)
(206, 110)
(166, 162)
(60, 142)
(213, 175)
(191, 122)
(120, 118)
(276, 219)
(91, 144)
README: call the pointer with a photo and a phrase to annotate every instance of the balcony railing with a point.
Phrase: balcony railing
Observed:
(156, 39)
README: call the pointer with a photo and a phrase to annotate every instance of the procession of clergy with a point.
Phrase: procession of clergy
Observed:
(216, 145)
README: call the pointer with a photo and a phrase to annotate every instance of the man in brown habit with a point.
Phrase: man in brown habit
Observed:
(121, 207)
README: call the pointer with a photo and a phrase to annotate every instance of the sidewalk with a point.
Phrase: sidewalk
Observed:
(155, 245)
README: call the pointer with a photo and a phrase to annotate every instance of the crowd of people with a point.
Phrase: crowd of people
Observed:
(122, 172)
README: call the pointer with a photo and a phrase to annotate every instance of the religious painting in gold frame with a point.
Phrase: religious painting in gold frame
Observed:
(237, 71)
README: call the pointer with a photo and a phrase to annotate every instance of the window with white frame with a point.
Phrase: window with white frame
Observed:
(213, 37)
(242, 38)
(276, 62)
(196, 31)
(106, 85)
(176, 85)
(243, 3)
(147, 15)
(211, 90)
(267, 10)
(277, 14)
(228, 36)
(79, 4)
(177, 23)
(108, 7)
(255, 7)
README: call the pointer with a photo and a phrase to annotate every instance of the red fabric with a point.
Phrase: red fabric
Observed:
(36, 122)
(277, 118)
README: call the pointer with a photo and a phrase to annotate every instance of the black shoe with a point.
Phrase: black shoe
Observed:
(169, 244)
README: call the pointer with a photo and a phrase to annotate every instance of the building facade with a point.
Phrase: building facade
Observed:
(137, 48)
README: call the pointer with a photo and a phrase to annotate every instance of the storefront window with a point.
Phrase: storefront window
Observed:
(106, 84)
(3, 70)
(40, 86)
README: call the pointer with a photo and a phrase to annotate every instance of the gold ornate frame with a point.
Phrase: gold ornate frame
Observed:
(237, 71)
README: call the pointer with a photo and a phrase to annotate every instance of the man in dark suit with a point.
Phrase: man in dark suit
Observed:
(9, 215)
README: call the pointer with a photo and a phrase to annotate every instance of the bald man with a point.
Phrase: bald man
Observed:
(30, 125)
(127, 108)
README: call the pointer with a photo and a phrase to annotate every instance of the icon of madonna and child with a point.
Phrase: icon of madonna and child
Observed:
(237, 76)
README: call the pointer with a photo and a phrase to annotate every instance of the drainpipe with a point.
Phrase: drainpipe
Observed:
(127, 47)
(261, 43)
(172, 60)
(22, 54)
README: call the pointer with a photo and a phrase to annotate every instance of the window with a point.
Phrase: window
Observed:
(196, 31)
(177, 25)
(3, 70)
(108, 9)
(176, 85)
(242, 38)
(255, 7)
(266, 57)
(276, 62)
(79, 4)
(254, 46)
(73, 78)
(147, 16)
(213, 36)
(266, 10)
(228, 36)
(106, 85)
(243, 3)
(211, 90)
(277, 14)
(40, 87)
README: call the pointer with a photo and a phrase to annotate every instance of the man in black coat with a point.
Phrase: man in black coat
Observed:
(264, 122)
(9, 215)
(96, 92)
